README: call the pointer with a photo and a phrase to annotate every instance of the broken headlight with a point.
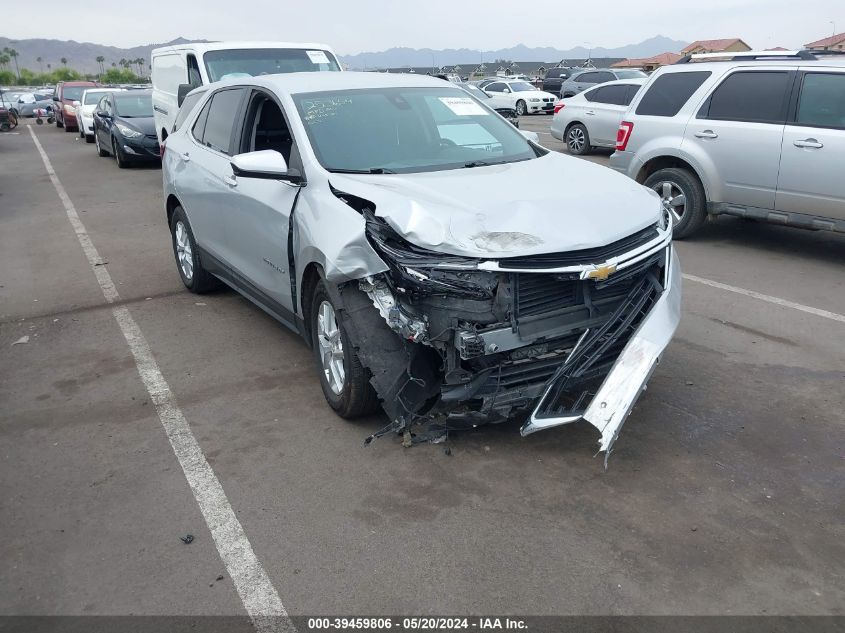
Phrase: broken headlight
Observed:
(417, 271)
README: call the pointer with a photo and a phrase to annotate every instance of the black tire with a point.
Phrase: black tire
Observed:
(357, 397)
(521, 108)
(694, 210)
(100, 150)
(201, 281)
(119, 158)
(578, 140)
(89, 138)
(67, 129)
(81, 132)
(59, 124)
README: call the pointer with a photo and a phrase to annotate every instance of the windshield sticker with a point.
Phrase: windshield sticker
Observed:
(464, 106)
(318, 57)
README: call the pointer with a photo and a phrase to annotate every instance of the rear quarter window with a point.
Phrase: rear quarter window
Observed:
(668, 93)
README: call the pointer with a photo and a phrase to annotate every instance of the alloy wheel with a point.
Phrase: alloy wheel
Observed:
(184, 252)
(673, 198)
(331, 347)
(576, 140)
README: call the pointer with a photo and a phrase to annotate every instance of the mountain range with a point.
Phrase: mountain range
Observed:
(82, 56)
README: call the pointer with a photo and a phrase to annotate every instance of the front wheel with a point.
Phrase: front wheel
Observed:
(59, 124)
(345, 382)
(196, 278)
(121, 161)
(683, 197)
(578, 140)
(520, 107)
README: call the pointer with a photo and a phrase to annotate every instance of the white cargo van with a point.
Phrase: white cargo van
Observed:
(176, 70)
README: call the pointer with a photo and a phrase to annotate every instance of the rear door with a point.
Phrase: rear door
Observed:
(606, 106)
(204, 181)
(739, 128)
(812, 165)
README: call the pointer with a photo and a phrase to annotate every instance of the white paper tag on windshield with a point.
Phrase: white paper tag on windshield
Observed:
(464, 106)
(317, 57)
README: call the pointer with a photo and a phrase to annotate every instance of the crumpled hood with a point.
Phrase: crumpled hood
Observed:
(551, 204)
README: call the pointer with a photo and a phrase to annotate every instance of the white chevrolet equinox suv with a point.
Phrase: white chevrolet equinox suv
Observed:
(757, 135)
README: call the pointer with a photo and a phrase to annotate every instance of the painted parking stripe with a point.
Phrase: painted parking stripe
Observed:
(833, 316)
(259, 597)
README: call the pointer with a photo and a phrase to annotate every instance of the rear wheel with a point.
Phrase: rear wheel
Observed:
(520, 107)
(345, 382)
(683, 197)
(196, 278)
(578, 140)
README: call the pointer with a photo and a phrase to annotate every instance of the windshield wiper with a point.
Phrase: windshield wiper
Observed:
(481, 163)
(372, 170)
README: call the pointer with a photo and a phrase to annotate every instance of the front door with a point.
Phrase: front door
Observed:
(258, 224)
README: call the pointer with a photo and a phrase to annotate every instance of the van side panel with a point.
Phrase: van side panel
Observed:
(168, 71)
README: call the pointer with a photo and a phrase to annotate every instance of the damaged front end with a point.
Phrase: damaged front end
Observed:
(549, 338)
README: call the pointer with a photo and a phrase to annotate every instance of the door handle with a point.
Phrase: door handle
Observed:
(185, 156)
(706, 134)
(230, 180)
(808, 142)
(590, 112)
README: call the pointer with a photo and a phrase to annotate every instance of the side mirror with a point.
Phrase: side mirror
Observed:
(266, 163)
(76, 104)
(103, 114)
(182, 92)
(507, 91)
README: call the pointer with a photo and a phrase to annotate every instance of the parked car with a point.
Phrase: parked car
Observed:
(522, 96)
(9, 99)
(24, 104)
(580, 81)
(762, 136)
(178, 69)
(554, 78)
(85, 110)
(591, 119)
(499, 103)
(426, 261)
(125, 128)
(64, 95)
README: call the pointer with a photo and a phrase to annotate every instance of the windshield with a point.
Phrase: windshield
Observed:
(267, 61)
(91, 98)
(521, 86)
(72, 93)
(630, 74)
(133, 105)
(475, 91)
(407, 130)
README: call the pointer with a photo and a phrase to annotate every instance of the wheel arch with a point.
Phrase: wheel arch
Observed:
(311, 276)
(667, 161)
(170, 206)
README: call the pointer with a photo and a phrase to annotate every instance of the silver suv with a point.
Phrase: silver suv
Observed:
(761, 135)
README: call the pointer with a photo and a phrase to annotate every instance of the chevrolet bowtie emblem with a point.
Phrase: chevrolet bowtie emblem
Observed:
(599, 273)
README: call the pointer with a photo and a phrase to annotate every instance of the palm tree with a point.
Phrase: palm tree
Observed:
(11, 52)
(123, 62)
(40, 64)
(113, 65)
(141, 62)
(100, 60)
(4, 59)
(49, 66)
(64, 61)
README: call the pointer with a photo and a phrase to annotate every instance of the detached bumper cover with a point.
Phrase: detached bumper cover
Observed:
(620, 389)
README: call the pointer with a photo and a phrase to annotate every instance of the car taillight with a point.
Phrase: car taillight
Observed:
(623, 135)
(559, 106)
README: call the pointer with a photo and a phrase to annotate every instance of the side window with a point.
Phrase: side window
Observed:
(221, 119)
(604, 76)
(495, 87)
(668, 93)
(587, 78)
(266, 128)
(749, 96)
(199, 125)
(822, 101)
(194, 76)
(593, 95)
(185, 109)
(101, 106)
(614, 95)
(632, 91)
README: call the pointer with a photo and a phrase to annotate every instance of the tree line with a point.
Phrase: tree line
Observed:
(120, 72)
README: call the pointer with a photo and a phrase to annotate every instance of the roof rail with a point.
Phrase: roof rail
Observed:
(805, 54)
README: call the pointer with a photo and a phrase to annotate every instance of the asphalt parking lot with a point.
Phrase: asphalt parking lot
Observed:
(724, 493)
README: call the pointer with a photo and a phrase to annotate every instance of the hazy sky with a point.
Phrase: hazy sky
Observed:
(372, 25)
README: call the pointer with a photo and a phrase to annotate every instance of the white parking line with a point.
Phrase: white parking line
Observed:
(776, 300)
(259, 597)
